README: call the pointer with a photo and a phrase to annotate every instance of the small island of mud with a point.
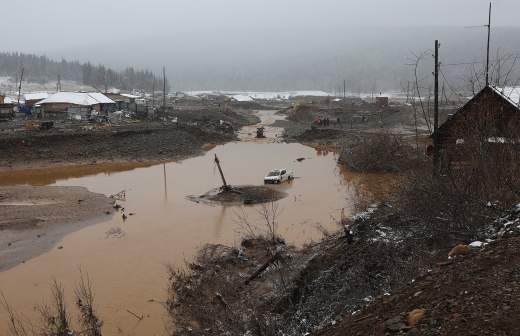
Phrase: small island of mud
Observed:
(236, 195)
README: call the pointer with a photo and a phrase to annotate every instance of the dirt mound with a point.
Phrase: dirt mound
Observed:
(240, 195)
(301, 112)
(211, 297)
(477, 294)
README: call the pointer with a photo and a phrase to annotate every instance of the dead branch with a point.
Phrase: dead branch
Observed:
(262, 268)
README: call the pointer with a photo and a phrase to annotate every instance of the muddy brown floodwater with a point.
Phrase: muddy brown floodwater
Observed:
(128, 269)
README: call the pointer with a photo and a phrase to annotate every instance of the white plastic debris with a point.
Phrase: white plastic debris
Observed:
(477, 244)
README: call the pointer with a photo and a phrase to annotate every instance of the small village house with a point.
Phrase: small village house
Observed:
(124, 102)
(75, 105)
(482, 128)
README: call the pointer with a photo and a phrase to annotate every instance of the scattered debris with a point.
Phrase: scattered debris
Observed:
(139, 317)
(115, 232)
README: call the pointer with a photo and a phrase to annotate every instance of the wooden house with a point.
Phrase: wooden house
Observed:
(482, 128)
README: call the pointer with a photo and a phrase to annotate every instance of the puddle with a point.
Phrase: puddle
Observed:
(167, 228)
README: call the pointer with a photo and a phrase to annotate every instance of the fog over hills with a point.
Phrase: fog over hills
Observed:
(366, 58)
(272, 45)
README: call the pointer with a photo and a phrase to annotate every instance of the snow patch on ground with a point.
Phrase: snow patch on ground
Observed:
(365, 215)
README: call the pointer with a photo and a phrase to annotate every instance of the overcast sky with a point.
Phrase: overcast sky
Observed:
(195, 37)
(39, 25)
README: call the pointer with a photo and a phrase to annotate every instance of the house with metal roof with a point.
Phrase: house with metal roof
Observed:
(75, 105)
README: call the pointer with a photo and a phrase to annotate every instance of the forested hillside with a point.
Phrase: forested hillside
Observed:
(41, 69)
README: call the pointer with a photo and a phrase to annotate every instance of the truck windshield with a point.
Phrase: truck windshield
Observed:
(274, 173)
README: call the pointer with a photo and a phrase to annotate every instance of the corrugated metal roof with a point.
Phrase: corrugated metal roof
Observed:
(127, 95)
(35, 96)
(101, 98)
(510, 93)
(77, 98)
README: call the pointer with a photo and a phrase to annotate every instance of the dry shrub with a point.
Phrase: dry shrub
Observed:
(89, 321)
(55, 318)
(482, 181)
(380, 152)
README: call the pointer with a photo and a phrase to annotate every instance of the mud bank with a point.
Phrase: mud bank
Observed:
(136, 143)
(239, 195)
(367, 280)
(34, 219)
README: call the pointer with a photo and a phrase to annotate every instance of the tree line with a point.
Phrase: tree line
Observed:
(41, 69)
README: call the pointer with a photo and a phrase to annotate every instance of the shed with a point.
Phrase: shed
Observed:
(489, 121)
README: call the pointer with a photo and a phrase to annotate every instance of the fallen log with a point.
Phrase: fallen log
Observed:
(262, 268)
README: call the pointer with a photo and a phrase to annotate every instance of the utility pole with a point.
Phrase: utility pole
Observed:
(488, 42)
(344, 90)
(58, 85)
(436, 155)
(153, 92)
(164, 91)
(225, 186)
(20, 88)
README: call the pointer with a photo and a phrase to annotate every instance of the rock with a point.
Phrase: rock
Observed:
(413, 317)
(460, 249)
(413, 332)
(395, 324)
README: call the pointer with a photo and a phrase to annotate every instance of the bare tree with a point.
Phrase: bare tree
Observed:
(269, 213)
(267, 227)
(417, 88)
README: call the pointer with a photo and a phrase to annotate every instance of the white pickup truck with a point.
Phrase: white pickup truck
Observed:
(278, 176)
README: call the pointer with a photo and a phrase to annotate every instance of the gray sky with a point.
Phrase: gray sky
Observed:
(207, 40)
(58, 23)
